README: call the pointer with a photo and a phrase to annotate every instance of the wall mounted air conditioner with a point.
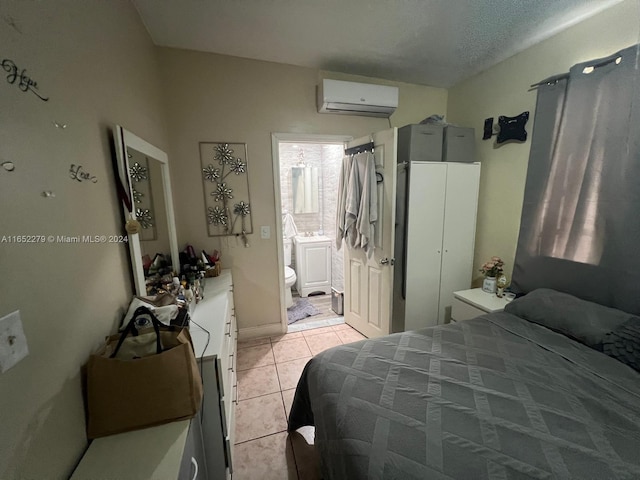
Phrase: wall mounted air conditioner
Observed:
(350, 98)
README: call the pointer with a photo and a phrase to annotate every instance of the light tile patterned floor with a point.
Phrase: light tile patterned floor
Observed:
(268, 372)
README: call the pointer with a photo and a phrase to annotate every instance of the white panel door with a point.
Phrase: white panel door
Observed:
(425, 219)
(369, 281)
(461, 205)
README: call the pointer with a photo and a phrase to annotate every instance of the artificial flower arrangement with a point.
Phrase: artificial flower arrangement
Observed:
(493, 268)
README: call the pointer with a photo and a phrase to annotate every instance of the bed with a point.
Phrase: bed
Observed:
(525, 393)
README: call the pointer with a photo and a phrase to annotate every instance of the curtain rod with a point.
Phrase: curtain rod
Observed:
(367, 147)
(551, 80)
(597, 63)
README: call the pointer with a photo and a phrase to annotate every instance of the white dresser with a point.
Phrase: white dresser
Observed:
(216, 352)
(196, 449)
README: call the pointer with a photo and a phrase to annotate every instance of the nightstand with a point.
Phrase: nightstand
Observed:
(468, 304)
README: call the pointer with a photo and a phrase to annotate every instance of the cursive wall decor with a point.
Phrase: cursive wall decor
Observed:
(77, 173)
(20, 77)
(226, 188)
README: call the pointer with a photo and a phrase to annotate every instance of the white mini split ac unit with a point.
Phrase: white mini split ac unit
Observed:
(350, 98)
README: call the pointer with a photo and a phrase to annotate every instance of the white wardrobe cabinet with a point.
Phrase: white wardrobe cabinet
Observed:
(441, 234)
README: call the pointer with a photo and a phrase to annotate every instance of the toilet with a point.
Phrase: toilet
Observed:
(289, 273)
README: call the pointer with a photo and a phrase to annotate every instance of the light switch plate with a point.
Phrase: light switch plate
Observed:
(265, 231)
(13, 343)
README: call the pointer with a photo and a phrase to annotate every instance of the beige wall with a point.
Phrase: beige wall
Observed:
(504, 90)
(219, 98)
(95, 62)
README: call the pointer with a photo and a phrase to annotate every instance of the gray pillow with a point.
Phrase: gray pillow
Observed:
(584, 321)
(623, 343)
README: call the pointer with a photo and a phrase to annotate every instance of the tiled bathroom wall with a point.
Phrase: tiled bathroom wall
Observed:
(328, 159)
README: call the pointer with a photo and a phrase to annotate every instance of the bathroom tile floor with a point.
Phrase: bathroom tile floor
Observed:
(268, 372)
(326, 317)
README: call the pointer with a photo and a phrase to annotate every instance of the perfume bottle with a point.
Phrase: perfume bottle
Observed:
(188, 293)
(501, 284)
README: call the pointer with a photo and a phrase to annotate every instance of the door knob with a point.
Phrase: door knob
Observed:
(386, 261)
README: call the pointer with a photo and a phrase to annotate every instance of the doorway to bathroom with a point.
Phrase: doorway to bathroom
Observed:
(307, 173)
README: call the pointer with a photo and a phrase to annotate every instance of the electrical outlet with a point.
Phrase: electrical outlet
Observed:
(13, 343)
(265, 232)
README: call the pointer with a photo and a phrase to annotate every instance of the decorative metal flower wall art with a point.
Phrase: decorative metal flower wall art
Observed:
(140, 176)
(138, 172)
(137, 196)
(217, 216)
(143, 215)
(226, 188)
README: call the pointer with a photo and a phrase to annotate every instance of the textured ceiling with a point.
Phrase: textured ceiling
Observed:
(428, 42)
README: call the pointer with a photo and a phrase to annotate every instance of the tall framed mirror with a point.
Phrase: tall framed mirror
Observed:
(143, 170)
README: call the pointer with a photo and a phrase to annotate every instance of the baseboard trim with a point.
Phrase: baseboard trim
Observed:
(269, 330)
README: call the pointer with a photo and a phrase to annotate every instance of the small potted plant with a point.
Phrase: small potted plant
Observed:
(491, 269)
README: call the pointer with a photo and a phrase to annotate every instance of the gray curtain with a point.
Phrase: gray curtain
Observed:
(580, 225)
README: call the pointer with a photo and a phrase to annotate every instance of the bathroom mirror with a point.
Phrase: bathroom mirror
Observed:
(143, 170)
(304, 186)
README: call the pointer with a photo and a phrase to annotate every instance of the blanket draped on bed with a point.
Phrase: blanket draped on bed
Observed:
(491, 398)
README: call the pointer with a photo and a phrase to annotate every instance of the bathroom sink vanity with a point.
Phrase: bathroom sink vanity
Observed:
(313, 264)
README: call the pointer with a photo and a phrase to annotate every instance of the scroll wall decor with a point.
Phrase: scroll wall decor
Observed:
(226, 188)
(77, 172)
(18, 76)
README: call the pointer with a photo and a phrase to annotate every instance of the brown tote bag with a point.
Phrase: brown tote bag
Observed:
(142, 378)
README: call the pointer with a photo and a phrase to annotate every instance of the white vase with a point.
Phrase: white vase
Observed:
(489, 284)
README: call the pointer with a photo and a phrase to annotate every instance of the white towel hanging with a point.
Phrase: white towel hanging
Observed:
(357, 211)
(289, 228)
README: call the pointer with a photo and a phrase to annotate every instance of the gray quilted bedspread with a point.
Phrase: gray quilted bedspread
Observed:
(491, 398)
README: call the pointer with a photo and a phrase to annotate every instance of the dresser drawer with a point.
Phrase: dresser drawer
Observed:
(461, 311)
(221, 374)
(228, 454)
(193, 465)
(163, 452)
